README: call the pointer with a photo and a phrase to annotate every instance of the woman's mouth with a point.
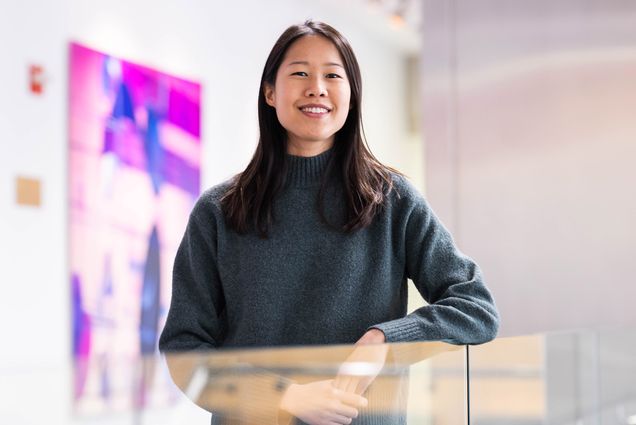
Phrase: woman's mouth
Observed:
(315, 111)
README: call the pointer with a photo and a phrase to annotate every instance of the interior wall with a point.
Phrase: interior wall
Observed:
(530, 130)
(221, 45)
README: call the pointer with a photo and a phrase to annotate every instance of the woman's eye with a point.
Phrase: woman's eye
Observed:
(332, 75)
(300, 73)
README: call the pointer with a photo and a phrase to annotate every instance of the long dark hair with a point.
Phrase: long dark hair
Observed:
(247, 204)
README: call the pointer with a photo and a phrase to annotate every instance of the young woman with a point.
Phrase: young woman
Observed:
(314, 241)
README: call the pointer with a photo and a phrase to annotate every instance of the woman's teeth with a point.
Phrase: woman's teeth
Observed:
(315, 110)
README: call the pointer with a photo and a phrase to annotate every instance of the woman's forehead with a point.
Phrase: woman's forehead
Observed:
(313, 49)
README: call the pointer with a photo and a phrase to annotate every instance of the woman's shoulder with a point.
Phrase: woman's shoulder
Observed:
(406, 200)
(215, 193)
(209, 201)
(403, 190)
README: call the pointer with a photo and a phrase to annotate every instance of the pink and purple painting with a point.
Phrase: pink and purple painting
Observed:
(134, 175)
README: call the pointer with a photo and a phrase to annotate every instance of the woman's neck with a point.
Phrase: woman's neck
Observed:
(307, 149)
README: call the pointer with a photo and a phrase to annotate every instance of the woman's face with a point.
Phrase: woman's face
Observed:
(311, 95)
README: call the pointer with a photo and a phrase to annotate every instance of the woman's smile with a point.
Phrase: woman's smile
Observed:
(315, 110)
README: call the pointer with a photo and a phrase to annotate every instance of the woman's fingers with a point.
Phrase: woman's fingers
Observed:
(321, 403)
(344, 410)
(340, 420)
(351, 399)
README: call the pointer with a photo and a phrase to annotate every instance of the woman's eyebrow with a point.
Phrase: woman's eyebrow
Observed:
(307, 63)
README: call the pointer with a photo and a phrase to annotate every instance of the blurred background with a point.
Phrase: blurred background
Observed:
(515, 118)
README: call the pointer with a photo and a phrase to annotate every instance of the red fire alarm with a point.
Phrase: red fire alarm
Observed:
(36, 79)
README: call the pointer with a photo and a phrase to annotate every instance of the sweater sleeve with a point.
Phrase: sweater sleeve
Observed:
(196, 323)
(195, 318)
(461, 310)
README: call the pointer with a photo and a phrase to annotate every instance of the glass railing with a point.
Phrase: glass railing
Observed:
(565, 378)
(399, 383)
(560, 378)
(414, 383)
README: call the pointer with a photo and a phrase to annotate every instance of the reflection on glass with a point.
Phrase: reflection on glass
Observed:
(575, 377)
(507, 381)
(568, 378)
(370, 384)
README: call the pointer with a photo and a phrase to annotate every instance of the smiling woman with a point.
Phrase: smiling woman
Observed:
(311, 95)
(313, 243)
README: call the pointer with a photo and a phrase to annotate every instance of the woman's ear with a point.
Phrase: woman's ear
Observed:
(270, 95)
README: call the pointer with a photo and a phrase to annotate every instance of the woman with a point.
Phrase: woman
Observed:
(314, 241)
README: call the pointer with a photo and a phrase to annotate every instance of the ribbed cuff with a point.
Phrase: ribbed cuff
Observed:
(401, 330)
(407, 343)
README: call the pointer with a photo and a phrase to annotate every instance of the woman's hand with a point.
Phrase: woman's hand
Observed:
(320, 403)
(364, 364)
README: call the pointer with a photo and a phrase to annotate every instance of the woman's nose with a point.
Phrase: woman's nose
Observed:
(316, 88)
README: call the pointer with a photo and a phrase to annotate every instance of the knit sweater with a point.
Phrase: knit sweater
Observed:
(308, 283)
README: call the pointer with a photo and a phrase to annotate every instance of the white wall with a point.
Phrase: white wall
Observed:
(531, 146)
(223, 45)
(34, 305)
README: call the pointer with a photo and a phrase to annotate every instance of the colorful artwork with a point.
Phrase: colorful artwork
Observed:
(134, 175)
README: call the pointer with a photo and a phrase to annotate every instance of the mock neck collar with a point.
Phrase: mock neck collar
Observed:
(307, 170)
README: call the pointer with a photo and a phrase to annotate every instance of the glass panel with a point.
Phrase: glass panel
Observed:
(507, 381)
(581, 377)
(617, 376)
(419, 383)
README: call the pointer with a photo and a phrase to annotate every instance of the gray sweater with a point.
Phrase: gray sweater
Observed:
(310, 284)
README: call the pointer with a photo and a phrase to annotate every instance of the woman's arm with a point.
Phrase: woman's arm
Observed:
(196, 324)
(195, 319)
(461, 310)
